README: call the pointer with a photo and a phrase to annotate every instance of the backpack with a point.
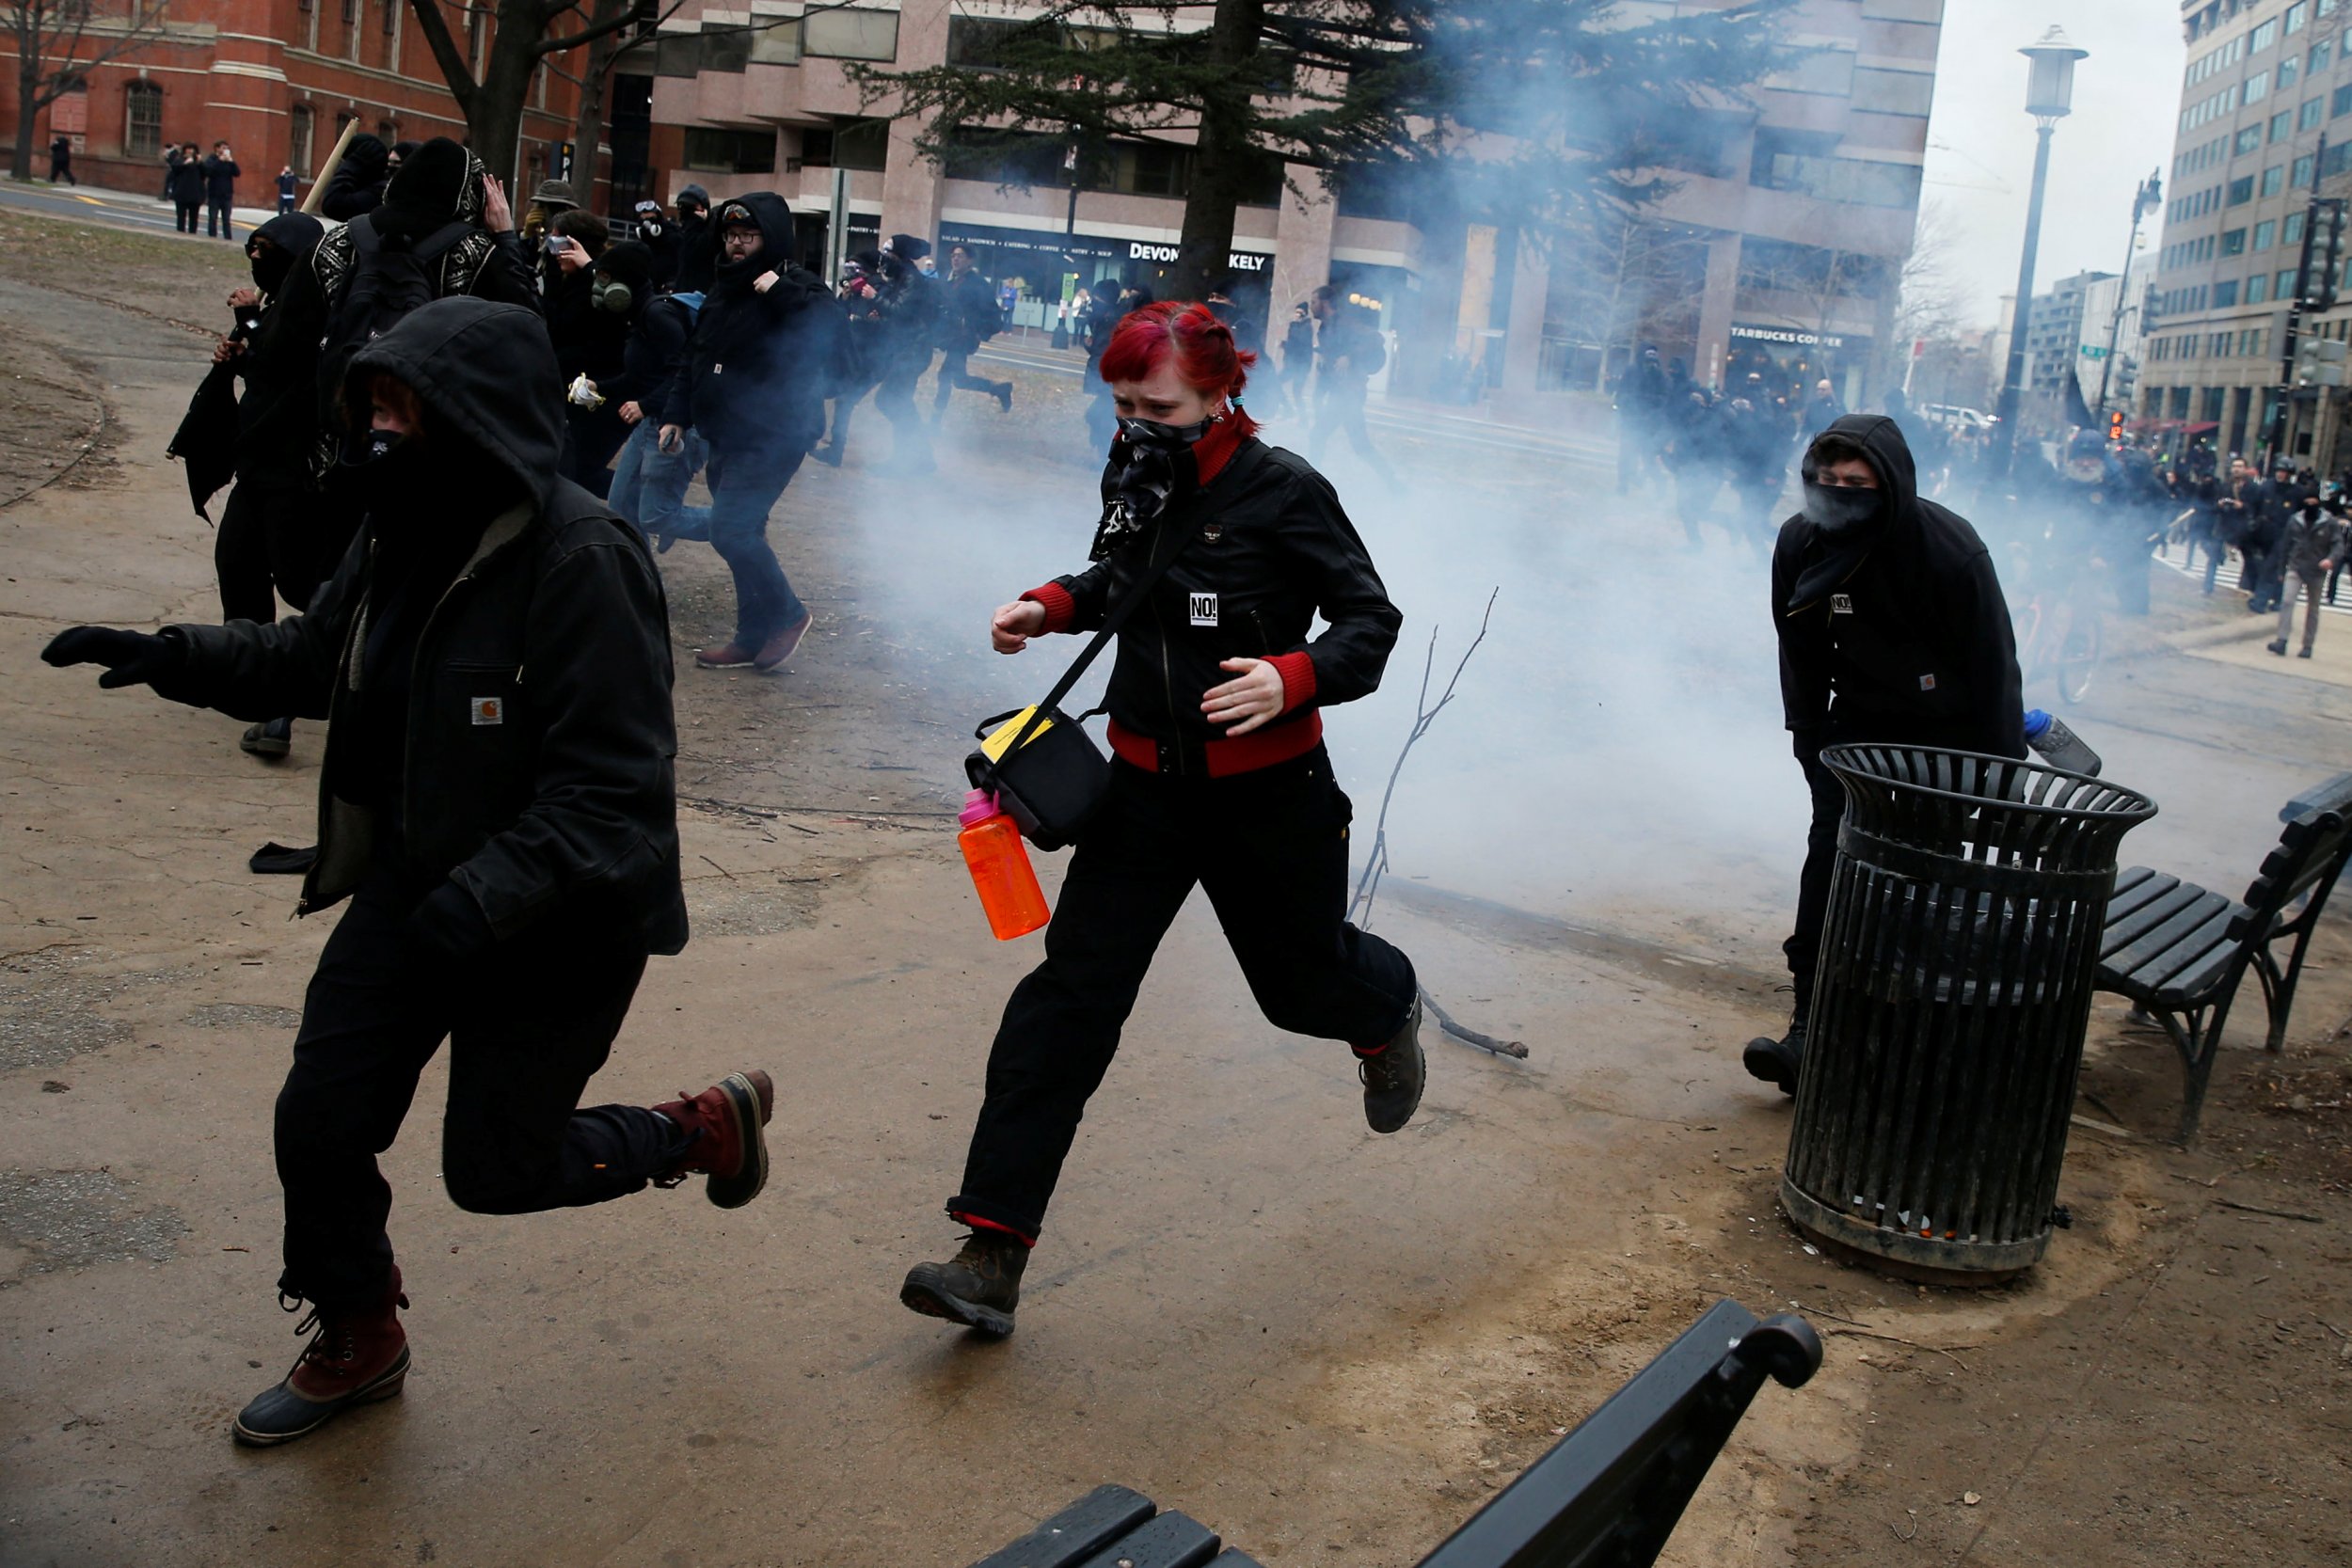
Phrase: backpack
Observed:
(387, 283)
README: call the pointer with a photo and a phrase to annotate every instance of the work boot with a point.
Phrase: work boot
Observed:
(779, 647)
(2303, 653)
(727, 655)
(354, 1358)
(979, 1289)
(2279, 647)
(723, 1138)
(270, 739)
(1393, 1074)
(1776, 1061)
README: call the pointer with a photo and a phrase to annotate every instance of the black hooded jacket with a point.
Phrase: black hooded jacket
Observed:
(275, 416)
(539, 744)
(1909, 639)
(356, 186)
(759, 366)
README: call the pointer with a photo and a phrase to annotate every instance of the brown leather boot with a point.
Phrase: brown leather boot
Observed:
(779, 647)
(978, 1288)
(724, 1138)
(727, 655)
(355, 1357)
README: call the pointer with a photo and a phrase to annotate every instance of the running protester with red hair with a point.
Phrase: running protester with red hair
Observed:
(1219, 778)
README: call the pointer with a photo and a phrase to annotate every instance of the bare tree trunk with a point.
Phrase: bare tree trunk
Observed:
(595, 79)
(1224, 156)
(494, 120)
(28, 100)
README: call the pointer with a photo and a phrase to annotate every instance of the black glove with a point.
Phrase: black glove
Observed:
(131, 657)
(449, 927)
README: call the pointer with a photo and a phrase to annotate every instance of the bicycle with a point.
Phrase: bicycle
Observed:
(2058, 636)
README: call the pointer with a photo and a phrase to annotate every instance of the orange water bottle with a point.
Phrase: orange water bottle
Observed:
(1000, 868)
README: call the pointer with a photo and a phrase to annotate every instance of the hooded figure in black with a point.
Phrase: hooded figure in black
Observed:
(497, 804)
(765, 351)
(1892, 628)
(908, 305)
(620, 370)
(270, 545)
(356, 186)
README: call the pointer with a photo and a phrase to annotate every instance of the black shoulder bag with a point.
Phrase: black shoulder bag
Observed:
(1049, 776)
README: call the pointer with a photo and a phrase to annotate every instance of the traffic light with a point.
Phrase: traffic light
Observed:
(2318, 362)
(2115, 424)
(2327, 253)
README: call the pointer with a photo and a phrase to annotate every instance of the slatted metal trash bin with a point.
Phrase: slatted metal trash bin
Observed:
(1949, 1006)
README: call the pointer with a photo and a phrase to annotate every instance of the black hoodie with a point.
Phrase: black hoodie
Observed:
(759, 366)
(540, 744)
(1909, 641)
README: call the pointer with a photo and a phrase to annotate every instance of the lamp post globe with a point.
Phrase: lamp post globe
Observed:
(2050, 84)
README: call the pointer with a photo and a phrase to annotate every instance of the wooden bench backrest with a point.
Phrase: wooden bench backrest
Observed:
(2310, 850)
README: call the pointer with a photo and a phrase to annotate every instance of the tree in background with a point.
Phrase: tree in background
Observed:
(524, 33)
(58, 43)
(1541, 116)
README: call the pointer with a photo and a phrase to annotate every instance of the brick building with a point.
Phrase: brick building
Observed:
(277, 80)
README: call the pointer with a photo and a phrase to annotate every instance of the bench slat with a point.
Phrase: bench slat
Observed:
(1077, 1533)
(2165, 948)
(2195, 981)
(1232, 1558)
(2128, 943)
(2135, 887)
(1172, 1541)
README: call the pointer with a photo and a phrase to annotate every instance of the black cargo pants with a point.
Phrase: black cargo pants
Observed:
(1271, 849)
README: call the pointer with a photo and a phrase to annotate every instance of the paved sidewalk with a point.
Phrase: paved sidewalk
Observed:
(140, 209)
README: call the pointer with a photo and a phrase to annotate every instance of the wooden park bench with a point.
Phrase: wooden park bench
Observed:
(1610, 1492)
(2179, 952)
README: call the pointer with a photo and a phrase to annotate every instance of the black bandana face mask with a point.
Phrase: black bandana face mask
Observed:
(1159, 462)
(1841, 508)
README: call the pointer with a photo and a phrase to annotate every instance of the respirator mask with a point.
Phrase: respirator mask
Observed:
(609, 294)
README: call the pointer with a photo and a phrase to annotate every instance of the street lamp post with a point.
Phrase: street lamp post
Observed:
(2049, 98)
(2145, 201)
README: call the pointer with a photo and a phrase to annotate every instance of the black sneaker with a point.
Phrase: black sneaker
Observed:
(2279, 648)
(272, 739)
(979, 1289)
(1004, 396)
(1394, 1076)
(1776, 1061)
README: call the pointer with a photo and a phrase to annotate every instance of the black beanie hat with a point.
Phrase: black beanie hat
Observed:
(908, 248)
(426, 191)
(628, 262)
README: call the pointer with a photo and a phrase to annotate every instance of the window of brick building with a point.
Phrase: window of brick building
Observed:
(143, 121)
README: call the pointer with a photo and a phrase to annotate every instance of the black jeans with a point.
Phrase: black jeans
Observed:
(188, 213)
(745, 486)
(528, 1026)
(217, 224)
(1271, 849)
(955, 370)
(1343, 409)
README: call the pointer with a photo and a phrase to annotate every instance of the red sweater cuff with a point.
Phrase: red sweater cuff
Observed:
(1298, 678)
(1061, 609)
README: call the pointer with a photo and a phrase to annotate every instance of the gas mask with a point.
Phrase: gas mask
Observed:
(609, 293)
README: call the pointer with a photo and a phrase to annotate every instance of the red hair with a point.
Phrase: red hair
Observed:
(1207, 360)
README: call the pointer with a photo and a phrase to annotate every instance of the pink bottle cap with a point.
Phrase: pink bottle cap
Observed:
(978, 806)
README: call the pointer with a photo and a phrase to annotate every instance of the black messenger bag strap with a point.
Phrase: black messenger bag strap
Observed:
(1244, 463)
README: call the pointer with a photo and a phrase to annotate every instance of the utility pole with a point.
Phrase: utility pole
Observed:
(2147, 200)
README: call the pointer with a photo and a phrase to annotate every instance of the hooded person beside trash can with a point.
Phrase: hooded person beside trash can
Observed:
(1892, 628)
(497, 806)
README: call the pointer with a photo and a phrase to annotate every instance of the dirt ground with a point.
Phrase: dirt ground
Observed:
(1331, 1346)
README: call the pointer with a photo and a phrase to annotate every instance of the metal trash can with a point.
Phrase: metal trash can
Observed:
(1949, 1006)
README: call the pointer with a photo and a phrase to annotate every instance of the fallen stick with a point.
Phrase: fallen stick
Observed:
(2274, 1213)
(1468, 1036)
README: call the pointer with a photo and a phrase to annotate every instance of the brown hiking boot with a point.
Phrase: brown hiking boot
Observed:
(778, 648)
(727, 655)
(354, 1358)
(979, 1288)
(723, 1138)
